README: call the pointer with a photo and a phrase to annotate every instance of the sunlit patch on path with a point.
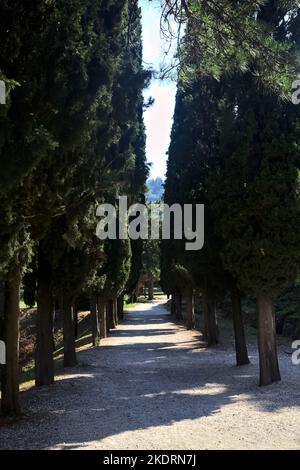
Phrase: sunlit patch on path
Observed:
(153, 385)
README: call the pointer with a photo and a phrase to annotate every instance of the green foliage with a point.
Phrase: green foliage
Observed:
(225, 37)
(257, 196)
(151, 258)
(235, 148)
(136, 265)
(118, 267)
(72, 133)
(193, 154)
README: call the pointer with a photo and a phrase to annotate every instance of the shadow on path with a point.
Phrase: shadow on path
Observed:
(149, 373)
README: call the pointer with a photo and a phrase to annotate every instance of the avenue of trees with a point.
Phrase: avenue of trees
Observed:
(71, 137)
(235, 148)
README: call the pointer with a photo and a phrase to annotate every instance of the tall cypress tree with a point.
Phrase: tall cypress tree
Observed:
(24, 142)
(256, 196)
(62, 140)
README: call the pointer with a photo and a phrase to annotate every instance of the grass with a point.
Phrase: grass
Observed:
(129, 306)
(142, 300)
(23, 306)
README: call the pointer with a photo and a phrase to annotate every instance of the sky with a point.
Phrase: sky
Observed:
(159, 117)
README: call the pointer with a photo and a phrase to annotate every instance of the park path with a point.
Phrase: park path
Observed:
(153, 385)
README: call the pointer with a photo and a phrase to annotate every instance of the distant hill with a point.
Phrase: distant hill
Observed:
(155, 189)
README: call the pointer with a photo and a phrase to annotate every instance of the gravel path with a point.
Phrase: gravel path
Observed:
(153, 385)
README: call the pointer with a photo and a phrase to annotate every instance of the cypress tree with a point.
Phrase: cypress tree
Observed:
(62, 138)
(193, 158)
(257, 201)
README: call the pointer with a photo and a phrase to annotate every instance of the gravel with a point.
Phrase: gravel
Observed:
(153, 385)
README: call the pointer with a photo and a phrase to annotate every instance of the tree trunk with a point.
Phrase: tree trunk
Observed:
(107, 308)
(267, 345)
(95, 321)
(178, 300)
(10, 404)
(190, 310)
(239, 331)
(76, 320)
(55, 308)
(2, 300)
(44, 365)
(2, 309)
(121, 307)
(204, 309)
(173, 306)
(102, 317)
(69, 333)
(111, 315)
(151, 288)
(210, 318)
(115, 312)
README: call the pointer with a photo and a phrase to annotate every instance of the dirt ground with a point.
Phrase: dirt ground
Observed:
(153, 385)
